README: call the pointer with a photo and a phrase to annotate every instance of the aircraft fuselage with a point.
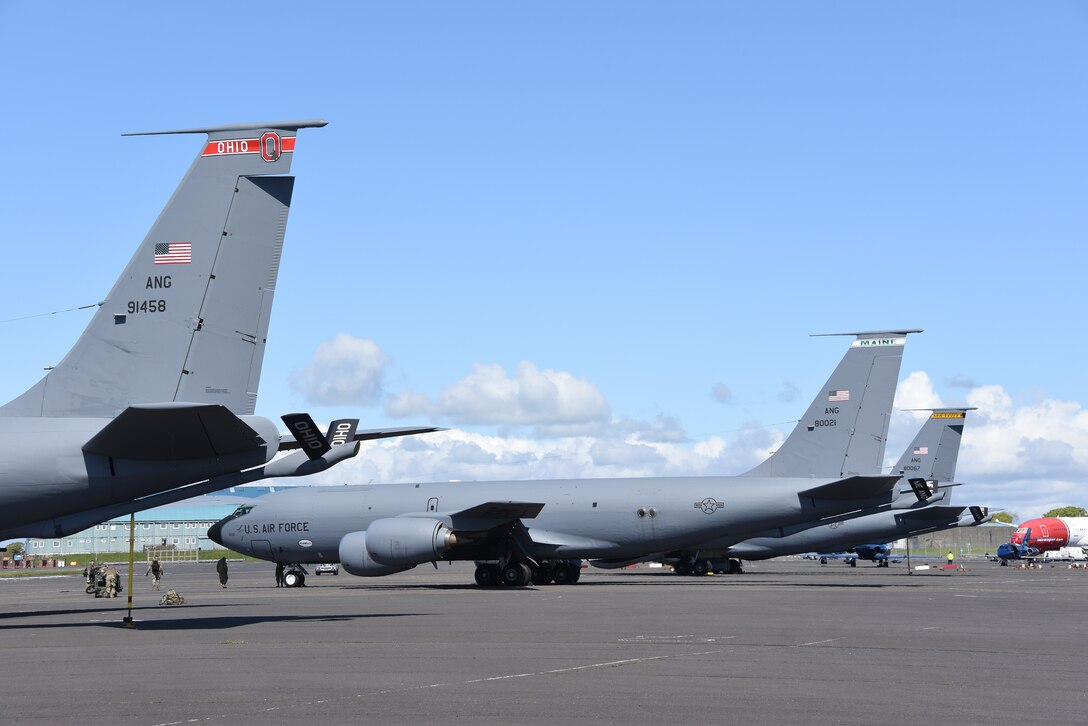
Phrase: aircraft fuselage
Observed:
(581, 518)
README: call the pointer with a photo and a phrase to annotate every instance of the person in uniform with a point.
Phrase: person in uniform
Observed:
(155, 570)
(89, 572)
(221, 568)
(113, 579)
(279, 574)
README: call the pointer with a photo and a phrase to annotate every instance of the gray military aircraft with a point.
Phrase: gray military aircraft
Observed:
(154, 402)
(537, 531)
(928, 465)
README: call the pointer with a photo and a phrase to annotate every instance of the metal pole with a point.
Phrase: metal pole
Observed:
(131, 564)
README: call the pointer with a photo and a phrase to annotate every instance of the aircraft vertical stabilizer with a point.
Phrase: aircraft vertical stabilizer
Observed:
(857, 397)
(187, 319)
(937, 460)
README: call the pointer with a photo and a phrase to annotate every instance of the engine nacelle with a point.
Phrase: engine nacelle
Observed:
(356, 561)
(408, 541)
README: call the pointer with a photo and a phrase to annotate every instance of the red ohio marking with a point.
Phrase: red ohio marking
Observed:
(270, 146)
(230, 147)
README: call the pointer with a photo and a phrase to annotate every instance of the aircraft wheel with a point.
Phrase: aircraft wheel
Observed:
(735, 567)
(543, 575)
(682, 568)
(563, 575)
(516, 574)
(576, 574)
(853, 563)
(487, 575)
(701, 567)
(292, 579)
(823, 560)
(1004, 563)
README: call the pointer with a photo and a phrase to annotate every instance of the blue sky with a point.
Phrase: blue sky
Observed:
(561, 230)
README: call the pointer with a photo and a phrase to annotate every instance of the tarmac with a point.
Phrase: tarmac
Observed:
(787, 642)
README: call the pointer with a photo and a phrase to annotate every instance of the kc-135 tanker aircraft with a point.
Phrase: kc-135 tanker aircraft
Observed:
(928, 465)
(154, 402)
(536, 531)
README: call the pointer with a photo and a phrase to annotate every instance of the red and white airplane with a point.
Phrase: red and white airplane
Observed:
(1052, 533)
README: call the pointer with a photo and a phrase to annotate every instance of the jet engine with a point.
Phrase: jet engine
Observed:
(408, 541)
(356, 560)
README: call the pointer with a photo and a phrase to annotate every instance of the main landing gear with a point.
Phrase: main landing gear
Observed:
(708, 567)
(520, 574)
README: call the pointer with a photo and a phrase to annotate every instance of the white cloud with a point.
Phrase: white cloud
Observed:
(488, 396)
(344, 370)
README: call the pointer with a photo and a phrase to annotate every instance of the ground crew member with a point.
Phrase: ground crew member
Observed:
(279, 574)
(156, 572)
(951, 557)
(89, 572)
(221, 568)
(113, 579)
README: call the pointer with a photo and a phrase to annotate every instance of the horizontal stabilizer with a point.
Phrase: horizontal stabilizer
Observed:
(369, 434)
(934, 513)
(854, 487)
(182, 431)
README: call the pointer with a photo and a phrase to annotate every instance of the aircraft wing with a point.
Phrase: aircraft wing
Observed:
(490, 515)
(369, 434)
(854, 487)
(181, 431)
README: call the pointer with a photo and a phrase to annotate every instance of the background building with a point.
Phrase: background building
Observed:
(182, 526)
(964, 541)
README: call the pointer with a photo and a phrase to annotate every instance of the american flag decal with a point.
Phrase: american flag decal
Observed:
(921, 450)
(833, 396)
(173, 253)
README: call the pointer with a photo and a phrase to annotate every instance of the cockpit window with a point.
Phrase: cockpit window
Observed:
(242, 510)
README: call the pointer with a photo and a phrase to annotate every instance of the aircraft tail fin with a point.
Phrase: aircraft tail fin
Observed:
(188, 317)
(845, 429)
(935, 450)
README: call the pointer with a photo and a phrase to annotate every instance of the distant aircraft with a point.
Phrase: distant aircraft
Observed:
(929, 466)
(1017, 550)
(1045, 534)
(154, 402)
(881, 554)
(537, 531)
(1052, 533)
